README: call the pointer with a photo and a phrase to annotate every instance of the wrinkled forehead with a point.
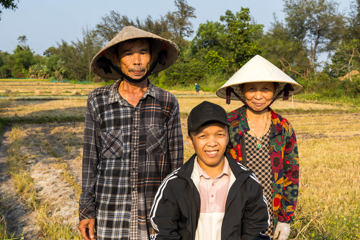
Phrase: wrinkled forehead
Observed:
(139, 43)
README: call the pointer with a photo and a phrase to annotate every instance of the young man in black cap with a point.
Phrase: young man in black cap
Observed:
(211, 196)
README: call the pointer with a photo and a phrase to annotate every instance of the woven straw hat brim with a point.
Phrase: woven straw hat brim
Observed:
(158, 44)
(257, 69)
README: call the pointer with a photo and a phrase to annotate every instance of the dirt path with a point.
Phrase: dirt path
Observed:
(19, 219)
(52, 151)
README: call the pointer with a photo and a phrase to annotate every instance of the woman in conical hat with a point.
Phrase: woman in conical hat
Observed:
(263, 140)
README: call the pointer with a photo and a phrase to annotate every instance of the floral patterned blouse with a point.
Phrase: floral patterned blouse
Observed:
(284, 158)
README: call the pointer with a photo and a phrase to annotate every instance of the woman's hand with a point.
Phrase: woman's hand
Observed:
(282, 231)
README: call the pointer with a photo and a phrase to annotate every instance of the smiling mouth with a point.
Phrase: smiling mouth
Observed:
(258, 104)
(212, 153)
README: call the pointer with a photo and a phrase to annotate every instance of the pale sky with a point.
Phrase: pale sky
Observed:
(46, 22)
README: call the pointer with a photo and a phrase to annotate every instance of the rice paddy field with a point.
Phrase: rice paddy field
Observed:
(41, 125)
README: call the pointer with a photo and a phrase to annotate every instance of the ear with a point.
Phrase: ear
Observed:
(190, 142)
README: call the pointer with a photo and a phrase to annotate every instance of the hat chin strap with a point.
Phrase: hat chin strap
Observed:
(286, 89)
(132, 80)
(230, 90)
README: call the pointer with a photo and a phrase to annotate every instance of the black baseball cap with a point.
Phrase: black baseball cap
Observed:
(204, 113)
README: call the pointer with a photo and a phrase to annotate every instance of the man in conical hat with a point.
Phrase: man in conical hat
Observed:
(132, 137)
(263, 140)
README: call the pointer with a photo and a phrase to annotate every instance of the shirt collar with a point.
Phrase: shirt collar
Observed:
(114, 95)
(202, 173)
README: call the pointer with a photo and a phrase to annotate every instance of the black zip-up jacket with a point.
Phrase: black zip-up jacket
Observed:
(176, 208)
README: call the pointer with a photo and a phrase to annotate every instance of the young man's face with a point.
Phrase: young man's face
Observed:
(209, 143)
(134, 58)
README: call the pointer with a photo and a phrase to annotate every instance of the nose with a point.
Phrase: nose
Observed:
(258, 94)
(137, 58)
(212, 142)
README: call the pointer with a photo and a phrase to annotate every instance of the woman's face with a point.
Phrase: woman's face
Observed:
(258, 95)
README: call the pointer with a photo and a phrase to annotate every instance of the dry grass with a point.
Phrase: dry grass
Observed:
(329, 198)
(328, 137)
(38, 163)
(4, 234)
(188, 102)
(329, 188)
(26, 88)
(40, 111)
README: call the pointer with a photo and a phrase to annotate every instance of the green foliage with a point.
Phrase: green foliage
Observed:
(222, 48)
(215, 63)
(185, 73)
(324, 87)
(7, 4)
(111, 24)
(347, 56)
(286, 52)
(5, 66)
(213, 81)
(22, 58)
(209, 36)
(315, 23)
(240, 37)
(72, 61)
(17, 64)
(179, 21)
(218, 48)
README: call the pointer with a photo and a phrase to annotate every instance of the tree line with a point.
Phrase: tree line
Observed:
(219, 48)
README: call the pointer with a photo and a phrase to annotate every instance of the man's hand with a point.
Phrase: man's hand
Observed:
(282, 231)
(87, 229)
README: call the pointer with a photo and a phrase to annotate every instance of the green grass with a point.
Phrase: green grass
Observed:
(4, 234)
(316, 97)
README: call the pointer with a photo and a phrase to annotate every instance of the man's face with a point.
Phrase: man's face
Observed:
(209, 143)
(134, 58)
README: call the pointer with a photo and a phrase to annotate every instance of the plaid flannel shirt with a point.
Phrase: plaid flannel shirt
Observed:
(127, 152)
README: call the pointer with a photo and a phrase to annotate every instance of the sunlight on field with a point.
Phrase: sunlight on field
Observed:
(328, 137)
(326, 125)
(16, 88)
(42, 109)
(329, 194)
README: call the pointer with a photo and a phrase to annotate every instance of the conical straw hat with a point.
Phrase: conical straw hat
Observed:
(168, 48)
(257, 69)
